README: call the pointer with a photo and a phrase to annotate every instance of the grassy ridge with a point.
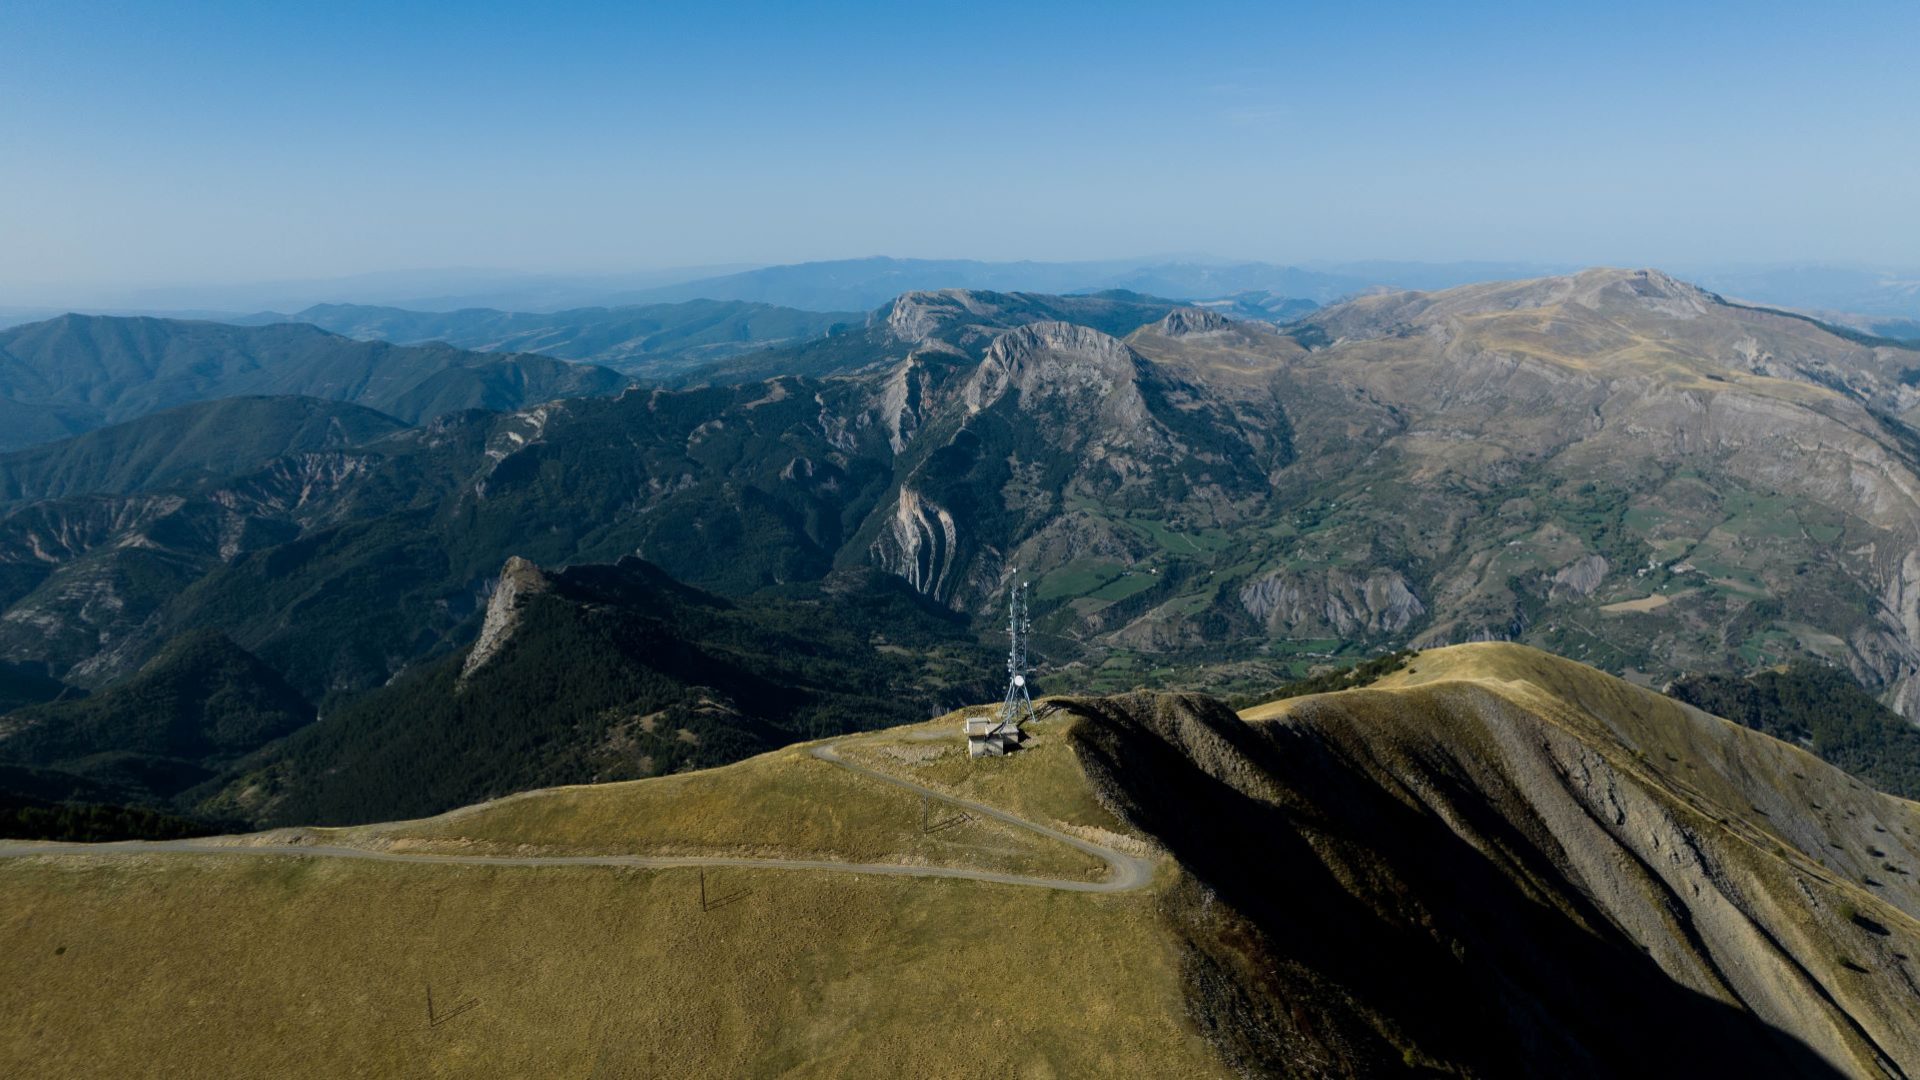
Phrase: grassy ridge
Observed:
(787, 804)
(585, 971)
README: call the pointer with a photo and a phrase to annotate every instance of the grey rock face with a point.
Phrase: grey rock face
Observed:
(919, 544)
(1341, 601)
(1581, 577)
(1184, 322)
(519, 579)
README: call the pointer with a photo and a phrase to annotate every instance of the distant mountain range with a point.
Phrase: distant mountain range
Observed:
(446, 289)
(867, 283)
(1892, 294)
(77, 373)
(650, 340)
(824, 286)
(704, 339)
(845, 285)
(1615, 465)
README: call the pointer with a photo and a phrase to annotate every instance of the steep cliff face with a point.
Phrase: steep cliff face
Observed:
(1511, 864)
(1188, 322)
(1068, 372)
(1055, 426)
(919, 318)
(920, 543)
(519, 582)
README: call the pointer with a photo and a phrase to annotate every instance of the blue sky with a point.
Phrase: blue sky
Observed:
(175, 143)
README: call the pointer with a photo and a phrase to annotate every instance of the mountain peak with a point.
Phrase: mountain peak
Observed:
(1051, 359)
(519, 580)
(1612, 292)
(1182, 322)
(919, 315)
(1648, 287)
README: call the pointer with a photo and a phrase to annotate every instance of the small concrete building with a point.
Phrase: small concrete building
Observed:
(988, 736)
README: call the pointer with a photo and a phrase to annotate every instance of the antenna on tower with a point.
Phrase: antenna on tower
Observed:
(1018, 708)
(998, 733)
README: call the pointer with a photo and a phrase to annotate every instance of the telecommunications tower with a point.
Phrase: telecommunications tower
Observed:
(999, 732)
(1018, 708)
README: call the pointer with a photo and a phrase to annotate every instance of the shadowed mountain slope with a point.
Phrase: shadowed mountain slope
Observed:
(1498, 862)
(611, 672)
(180, 447)
(195, 708)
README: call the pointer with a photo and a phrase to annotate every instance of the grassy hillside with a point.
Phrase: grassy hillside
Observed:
(1491, 862)
(1706, 865)
(799, 807)
(575, 972)
(596, 970)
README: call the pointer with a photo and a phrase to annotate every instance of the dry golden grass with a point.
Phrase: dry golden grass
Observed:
(786, 804)
(256, 966)
(1787, 864)
(273, 965)
(1042, 782)
(1762, 785)
(1639, 605)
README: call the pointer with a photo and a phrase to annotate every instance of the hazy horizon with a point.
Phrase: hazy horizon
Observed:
(235, 143)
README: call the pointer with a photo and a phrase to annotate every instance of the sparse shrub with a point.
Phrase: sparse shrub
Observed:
(1365, 673)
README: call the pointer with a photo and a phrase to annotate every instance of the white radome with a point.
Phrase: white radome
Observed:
(1019, 680)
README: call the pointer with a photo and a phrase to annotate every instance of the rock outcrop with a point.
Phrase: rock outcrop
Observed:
(1060, 362)
(1581, 577)
(921, 544)
(1189, 321)
(1333, 602)
(519, 580)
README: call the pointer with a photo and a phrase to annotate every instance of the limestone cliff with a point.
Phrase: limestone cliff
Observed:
(519, 580)
(1340, 603)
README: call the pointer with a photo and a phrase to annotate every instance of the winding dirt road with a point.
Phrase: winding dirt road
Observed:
(1127, 871)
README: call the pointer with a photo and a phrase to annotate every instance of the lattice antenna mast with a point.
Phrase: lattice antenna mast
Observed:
(1018, 708)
